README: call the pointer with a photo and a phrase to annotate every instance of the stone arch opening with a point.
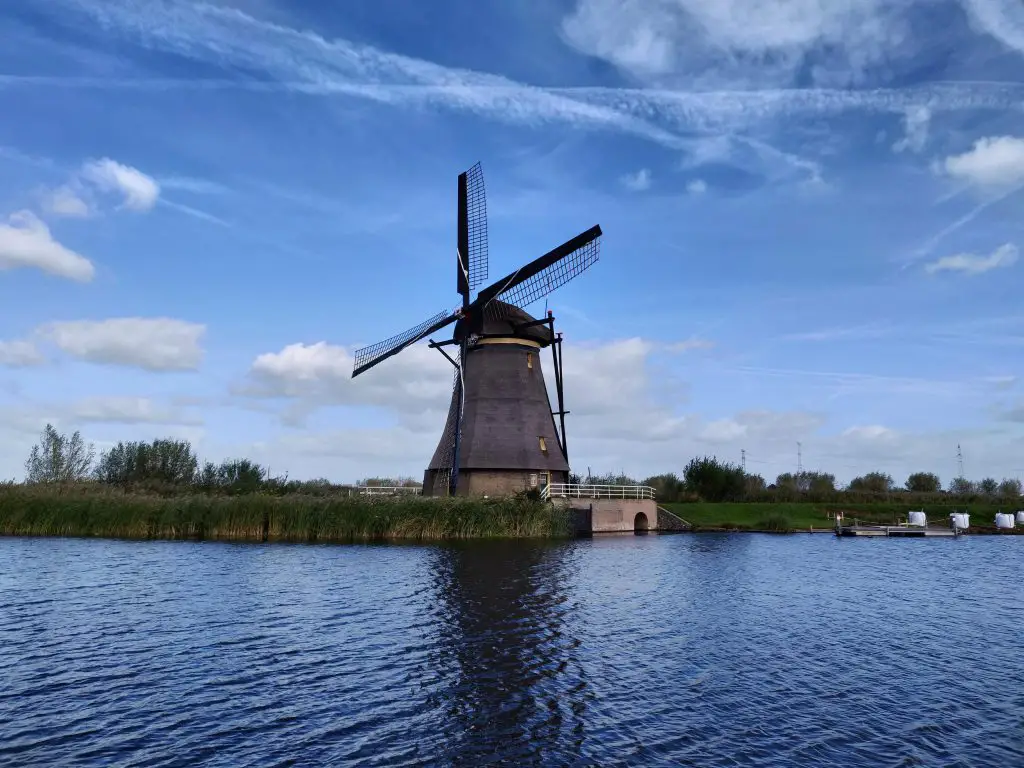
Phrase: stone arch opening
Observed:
(640, 523)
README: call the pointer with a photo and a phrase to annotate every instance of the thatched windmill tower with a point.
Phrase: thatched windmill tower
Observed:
(500, 435)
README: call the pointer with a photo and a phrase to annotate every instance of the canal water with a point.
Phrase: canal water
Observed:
(709, 650)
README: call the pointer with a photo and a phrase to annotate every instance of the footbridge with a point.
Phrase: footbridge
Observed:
(611, 508)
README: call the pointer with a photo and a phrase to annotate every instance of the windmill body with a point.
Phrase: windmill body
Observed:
(500, 435)
(509, 439)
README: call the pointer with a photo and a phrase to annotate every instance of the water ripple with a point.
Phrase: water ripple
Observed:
(703, 650)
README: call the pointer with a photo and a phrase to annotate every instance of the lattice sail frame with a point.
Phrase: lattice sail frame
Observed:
(371, 354)
(476, 215)
(549, 279)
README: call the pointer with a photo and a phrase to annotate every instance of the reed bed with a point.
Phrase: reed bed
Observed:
(45, 511)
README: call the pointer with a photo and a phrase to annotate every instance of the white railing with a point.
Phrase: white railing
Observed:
(574, 491)
(387, 490)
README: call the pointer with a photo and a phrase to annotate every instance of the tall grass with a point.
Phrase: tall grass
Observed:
(55, 511)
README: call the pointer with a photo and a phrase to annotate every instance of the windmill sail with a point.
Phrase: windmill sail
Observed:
(545, 274)
(367, 357)
(473, 260)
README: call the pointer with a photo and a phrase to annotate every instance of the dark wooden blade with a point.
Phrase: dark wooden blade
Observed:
(462, 242)
(543, 275)
(367, 357)
(473, 259)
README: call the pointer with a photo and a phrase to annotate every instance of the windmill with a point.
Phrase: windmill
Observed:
(500, 434)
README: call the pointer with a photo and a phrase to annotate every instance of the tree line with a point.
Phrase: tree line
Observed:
(161, 466)
(709, 479)
(168, 466)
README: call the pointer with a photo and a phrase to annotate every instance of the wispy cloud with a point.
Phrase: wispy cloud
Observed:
(926, 248)
(66, 200)
(688, 345)
(973, 264)
(309, 63)
(868, 331)
(915, 125)
(637, 182)
(716, 39)
(850, 383)
(194, 212)
(192, 185)
(20, 353)
(139, 191)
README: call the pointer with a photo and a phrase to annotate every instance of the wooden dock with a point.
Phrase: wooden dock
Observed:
(900, 531)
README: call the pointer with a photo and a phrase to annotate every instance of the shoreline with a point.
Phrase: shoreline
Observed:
(102, 512)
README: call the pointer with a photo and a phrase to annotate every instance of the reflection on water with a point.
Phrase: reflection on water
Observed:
(705, 650)
(502, 635)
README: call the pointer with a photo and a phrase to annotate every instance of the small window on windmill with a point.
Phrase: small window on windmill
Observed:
(529, 360)
(533, 480)
(543, 446)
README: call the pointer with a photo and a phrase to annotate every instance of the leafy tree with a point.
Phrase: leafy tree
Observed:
(240, 475)
(58, 458)
(611, 478)
(1010, 488)
(817, 482)
(167, 461)
(873, 482)
(923, 482)
(667, 487)
(390, 482)
(961, 486)
(753, 484)
(714, 480)
(988, 486)
(787, 481)
(207, 476)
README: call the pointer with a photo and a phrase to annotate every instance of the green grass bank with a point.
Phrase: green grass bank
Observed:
(802, 516)
(93, 510)
(44, 511)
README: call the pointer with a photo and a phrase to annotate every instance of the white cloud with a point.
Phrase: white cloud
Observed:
(737, 40)
(127, 410)
(915, 124)
(697, 187)
(155, 344)
(722, 431)
(140, 191)
(417, 380)
(871, 432)
(996, 162)
(25, 241)
(20, 353)
(67, 201)
(637, 182)
(1003, 19)
(972, 264)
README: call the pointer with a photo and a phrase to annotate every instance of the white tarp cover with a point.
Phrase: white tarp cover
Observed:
(1020, 518)
(961, 520)
(1004, 520)
(917, 518)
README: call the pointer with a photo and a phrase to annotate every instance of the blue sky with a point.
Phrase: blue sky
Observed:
(812, 216)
